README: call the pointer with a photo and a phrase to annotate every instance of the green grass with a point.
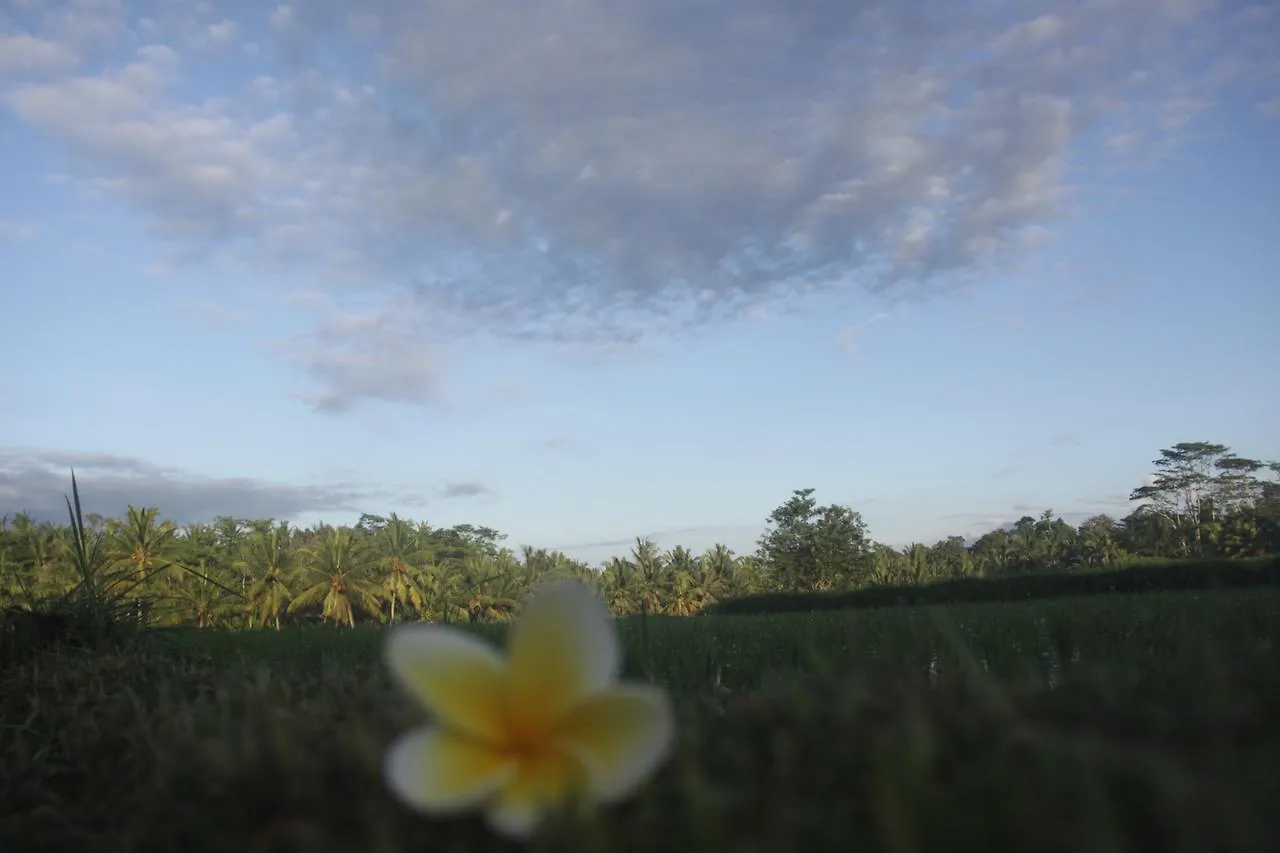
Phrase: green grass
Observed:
(1093, 724)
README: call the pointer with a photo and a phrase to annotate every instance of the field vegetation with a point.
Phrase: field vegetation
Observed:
(1112, 686)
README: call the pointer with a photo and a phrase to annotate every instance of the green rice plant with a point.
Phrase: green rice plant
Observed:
(1125, 723)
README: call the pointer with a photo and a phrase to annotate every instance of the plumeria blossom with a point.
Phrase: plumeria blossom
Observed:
(518, 736)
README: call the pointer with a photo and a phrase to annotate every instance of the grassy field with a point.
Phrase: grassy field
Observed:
(1097, 724)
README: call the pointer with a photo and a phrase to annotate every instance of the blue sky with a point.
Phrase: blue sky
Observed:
(302, 263)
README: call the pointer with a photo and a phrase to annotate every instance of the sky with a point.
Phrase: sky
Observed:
(584, 271)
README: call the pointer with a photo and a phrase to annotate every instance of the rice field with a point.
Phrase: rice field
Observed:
(1107, 723)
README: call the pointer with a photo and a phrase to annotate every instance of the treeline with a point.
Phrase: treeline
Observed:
(1146, 576)
(1205, 502)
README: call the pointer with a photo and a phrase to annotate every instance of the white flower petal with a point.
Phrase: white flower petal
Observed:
(457, 677)
(437, 771)
(562, 648)
(537, 787)
(621, 736)
(515, 819)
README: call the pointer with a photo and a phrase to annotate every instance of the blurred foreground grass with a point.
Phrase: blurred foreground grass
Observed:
(1102, 724)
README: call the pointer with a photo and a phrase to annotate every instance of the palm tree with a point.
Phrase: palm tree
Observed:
(1024, 542)
(399, 557)
(204, 598)
(142, 547)
(15, 581)
(620, 586)
(37, 546)
(492, 586)
(713, 575)
(229, 532)
(751, 575)
(1096, 545)
(336, 578)
(267, 562)
(443, 584)
(681, 567)
(919, 568)
(1056, 539)
(653, 575)
(951, 558)
(994, 554)
(887, 565)
(1152, 533)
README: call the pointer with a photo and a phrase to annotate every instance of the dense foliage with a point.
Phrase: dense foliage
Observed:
(1204, 502)
(1172, 576)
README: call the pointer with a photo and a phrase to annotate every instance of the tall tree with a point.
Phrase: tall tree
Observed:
(816, 547)
(1182, 488)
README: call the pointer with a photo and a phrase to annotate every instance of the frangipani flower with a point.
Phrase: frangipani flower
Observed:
(522, 735)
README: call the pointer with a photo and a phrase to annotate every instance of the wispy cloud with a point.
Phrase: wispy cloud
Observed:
(1064, 440)
(215, 314)
(1013, 322)
(562, 444)
(373, 355)
(847, 340)
(1112, 501)
(616, 166)
(11, 231)
(1096, 294)
(667, 538)
(464, 489)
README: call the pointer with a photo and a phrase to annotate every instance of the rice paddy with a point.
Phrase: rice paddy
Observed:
(1103, 723)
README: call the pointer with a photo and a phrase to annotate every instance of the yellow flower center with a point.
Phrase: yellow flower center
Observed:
(527, 738)
(527, 747)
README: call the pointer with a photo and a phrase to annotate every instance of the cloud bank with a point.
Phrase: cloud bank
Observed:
(38, 482)
(586, 170)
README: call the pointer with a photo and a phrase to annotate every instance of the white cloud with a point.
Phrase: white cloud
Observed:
(24, 54)
(282, 16)
(12, 231)
(85, 26)
(223, 31)
(1123, 142)
(569, 171)
(1029, 35)
(370, 355)
(215, 314)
